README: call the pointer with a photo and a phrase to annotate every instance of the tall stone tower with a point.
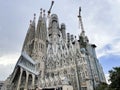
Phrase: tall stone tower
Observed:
(54, 32)
(39, 50)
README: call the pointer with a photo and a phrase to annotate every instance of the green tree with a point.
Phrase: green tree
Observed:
(115, 78)
(102, 86)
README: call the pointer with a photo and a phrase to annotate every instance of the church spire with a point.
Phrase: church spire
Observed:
(80, 22)
(29, 40)
(26, 38)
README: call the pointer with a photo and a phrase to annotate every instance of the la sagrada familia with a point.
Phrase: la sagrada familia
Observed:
(52, 58)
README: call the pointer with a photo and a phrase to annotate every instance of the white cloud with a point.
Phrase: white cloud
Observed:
(9, 59)
(111, 48)
(5, 71)
(107, 78)
(7, 64)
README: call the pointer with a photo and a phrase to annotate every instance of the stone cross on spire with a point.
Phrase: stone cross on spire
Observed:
(40, 17)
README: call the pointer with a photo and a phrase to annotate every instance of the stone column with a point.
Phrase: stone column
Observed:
(33, 81)
(19, 80)
(26, 82)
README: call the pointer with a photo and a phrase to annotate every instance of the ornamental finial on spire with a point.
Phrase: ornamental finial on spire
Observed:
(40, 17)
(34, 16)
(30, 21)
(44, 15)
(43, 12)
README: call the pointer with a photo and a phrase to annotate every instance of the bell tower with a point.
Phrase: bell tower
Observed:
(39, 50)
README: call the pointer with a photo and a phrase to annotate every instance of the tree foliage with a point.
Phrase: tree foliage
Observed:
(102, 86)
(114, 75)
(115, 78)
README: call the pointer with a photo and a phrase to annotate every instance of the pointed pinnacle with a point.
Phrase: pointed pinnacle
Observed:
(34, 16)
(44, 12)
(30, 21)
(41, 11)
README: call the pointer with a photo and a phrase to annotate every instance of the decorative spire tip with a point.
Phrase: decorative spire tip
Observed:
(30, 21)
(41, 11)
(44, 12)
(75, 37)
(34, 15)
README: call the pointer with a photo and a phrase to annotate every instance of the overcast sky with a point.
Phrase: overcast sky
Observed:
(101, 19)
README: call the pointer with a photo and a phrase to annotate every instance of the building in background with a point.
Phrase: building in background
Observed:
(51, 58)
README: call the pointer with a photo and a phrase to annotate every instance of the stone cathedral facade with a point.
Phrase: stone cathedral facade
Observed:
(51, 57)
